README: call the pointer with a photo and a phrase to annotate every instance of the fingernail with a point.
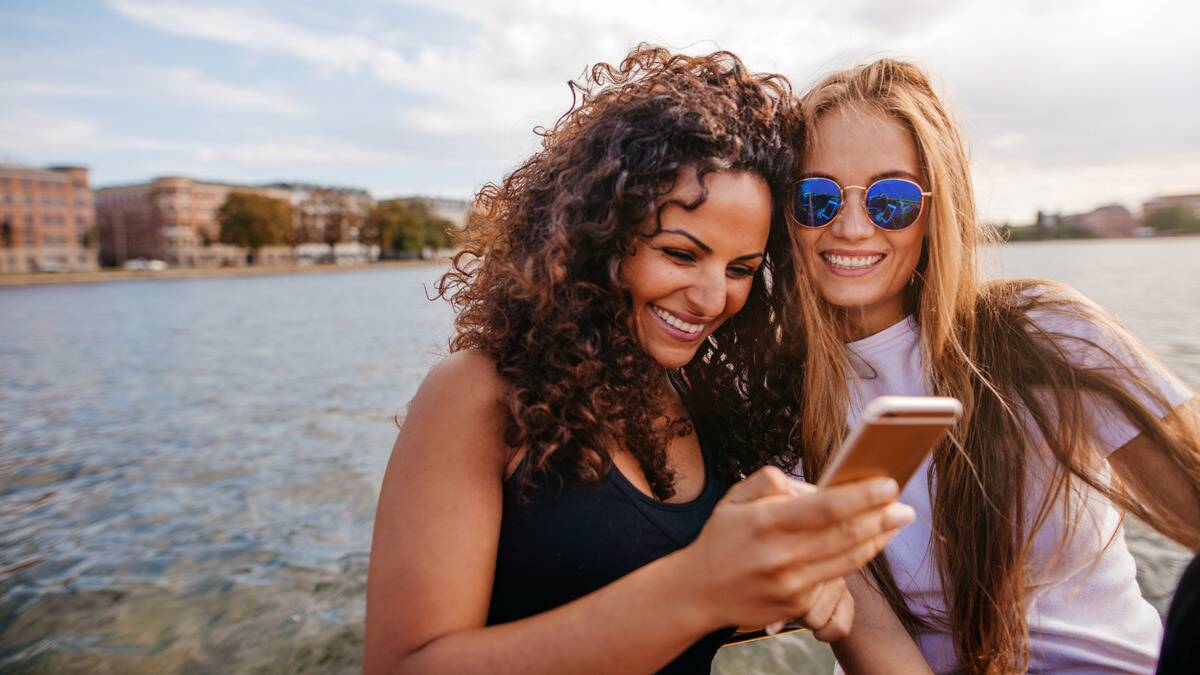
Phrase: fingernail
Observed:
(887, 488)
(898, 515)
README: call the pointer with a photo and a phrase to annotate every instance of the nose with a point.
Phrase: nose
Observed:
(706, 296)
(852, 223)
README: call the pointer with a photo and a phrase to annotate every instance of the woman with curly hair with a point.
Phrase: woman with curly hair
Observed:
(1017, 560)
(554, 501)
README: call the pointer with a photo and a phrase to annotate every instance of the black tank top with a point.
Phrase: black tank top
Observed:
(559, 543)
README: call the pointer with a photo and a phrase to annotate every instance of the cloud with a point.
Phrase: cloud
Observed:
(284, 152)
(258, 32)
(37, 132)
(1053, 89)
(40, 88)
(179, 84)
(188, 84)
(27, 129)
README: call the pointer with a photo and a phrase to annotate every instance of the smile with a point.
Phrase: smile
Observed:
(689, 329)
(852, 262)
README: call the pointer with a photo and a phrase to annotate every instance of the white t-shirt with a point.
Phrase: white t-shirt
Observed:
(1086, 613)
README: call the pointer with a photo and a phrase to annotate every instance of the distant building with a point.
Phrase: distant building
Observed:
(1112, 220)
(174, 219)
(1191, 201)
(453, 210)
(331, 216)
(46, 220)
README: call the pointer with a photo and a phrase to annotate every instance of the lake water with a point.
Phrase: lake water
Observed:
(189, 468)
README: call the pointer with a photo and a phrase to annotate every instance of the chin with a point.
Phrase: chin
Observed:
(672, 358)
(850, 298)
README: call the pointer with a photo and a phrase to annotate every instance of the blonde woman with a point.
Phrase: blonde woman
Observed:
(1017, 560)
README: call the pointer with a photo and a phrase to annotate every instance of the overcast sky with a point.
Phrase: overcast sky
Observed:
(1066, 105)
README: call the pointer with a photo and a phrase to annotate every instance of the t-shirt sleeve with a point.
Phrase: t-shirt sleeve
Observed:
(1097, 343)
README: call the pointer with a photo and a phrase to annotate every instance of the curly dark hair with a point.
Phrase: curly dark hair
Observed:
(537, 284)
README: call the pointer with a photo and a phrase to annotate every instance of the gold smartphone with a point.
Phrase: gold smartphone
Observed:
(892, 438)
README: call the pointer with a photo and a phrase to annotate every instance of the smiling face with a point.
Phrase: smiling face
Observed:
(855, 264)
(696, 272)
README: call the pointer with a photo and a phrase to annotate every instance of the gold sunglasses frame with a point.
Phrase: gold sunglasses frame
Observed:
(842, 198)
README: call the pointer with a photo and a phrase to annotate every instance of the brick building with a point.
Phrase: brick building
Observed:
(171, 218)
(1112, 220)
(47, 220)
(1190, 201)
(174, 219)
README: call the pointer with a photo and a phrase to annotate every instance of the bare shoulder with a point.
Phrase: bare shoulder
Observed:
(456, 414)
(467, 377)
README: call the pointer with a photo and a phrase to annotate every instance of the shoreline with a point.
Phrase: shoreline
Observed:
(103, 276)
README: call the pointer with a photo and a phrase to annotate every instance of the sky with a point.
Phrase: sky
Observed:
(1066, 105)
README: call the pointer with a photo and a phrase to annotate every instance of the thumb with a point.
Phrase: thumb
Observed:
(768, 481)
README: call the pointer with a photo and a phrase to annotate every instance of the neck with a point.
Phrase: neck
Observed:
(860, 325)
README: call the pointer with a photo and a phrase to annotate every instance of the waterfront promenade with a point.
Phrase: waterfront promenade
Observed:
(100, 276)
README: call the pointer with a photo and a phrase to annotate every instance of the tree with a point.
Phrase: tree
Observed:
(407, 225)
(331, 216)
(252, 221)
(1177, 219)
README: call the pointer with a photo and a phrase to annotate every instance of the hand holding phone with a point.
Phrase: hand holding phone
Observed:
(892, 439)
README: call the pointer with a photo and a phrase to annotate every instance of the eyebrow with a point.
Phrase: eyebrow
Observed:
(704, 247)
(684, 233)
(876, 177)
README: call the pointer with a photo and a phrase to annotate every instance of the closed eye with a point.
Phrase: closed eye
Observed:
(742, 271)
(679, 254)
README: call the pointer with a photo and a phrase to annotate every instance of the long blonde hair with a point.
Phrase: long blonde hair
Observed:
(1014, 378)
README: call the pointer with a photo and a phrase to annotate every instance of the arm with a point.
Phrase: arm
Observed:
(434, 551)
(432, 560)
(877, 642)
(1159, 483)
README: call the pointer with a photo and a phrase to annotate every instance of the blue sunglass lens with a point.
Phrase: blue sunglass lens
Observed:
(816, 202)
(894, 204)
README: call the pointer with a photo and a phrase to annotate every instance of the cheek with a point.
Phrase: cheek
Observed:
(737, 296)
(908, 247)
(808, 239)
(646, 276)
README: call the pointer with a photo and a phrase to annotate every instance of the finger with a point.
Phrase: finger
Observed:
(840, 537)
(810, 511)
(838, 627)
(768, 481)
(824, 602)
(847, 561)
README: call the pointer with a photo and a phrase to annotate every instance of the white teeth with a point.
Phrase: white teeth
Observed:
(855, 261)
(676, 321)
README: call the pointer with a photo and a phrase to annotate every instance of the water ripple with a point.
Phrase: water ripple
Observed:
(189, 467)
